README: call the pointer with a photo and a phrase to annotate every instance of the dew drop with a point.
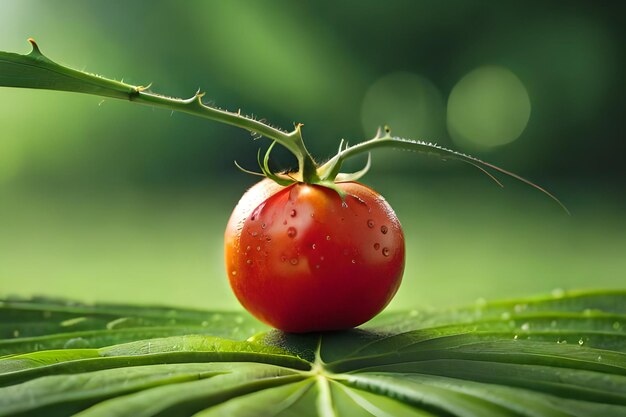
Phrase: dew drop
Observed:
(384, 229)
(293, 213)
(376, 246)
(616, 325)
(558, 293)
(581, 341)
(353, 261)
(313, 246)
(553, 323)
(76, 343)
(515, 337)
(293, 261)
(505, 316)
(239, 319)
(599, 358)
(370, 223)
(292, 232)
(520, 307)
(16, 333)
(204, 323)
(327, 237)
(385, 251)
(525, 327)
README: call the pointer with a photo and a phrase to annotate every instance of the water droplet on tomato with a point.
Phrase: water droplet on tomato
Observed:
(263, 226)
(248, 248)
(386, 251)
(376, 246)
(353, 261)
(327, 237)
(233, 273)
(268, 238)
(384, 229)
(370, 223)
(283, 258)
(254, 234)
(258, 248)
(293, 213)
(249, 262)
(321, 258)
(317, 267)
(293, 261)
(313, 246)
(292, 232)
(581, 341)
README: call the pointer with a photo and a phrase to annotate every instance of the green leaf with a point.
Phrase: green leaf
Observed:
(554, 356)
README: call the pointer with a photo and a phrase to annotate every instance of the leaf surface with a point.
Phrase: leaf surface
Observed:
(554, 356)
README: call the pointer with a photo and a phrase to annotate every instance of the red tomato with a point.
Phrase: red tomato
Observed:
(300, 260)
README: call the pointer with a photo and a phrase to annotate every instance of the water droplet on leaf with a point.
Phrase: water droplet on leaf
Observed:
(76, 343)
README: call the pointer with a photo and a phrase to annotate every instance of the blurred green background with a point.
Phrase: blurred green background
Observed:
(106, 200)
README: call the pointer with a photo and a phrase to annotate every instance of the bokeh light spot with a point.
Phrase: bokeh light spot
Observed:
(488, 107)
(408, 103)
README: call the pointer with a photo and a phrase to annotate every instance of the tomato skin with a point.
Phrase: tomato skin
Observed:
(300, 260)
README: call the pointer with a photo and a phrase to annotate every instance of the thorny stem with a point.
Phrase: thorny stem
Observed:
(35, 70)
(292, 141)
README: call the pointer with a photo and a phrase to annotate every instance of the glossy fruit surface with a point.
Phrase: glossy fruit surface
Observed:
(300, 259)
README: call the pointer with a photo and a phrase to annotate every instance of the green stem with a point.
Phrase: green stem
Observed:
(35, 70)
(329, 170)
(307, 169)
